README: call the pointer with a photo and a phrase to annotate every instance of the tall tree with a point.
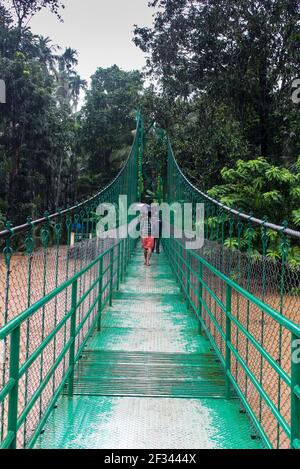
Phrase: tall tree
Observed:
(25, 10)
(108, 119)
(37, 134)
(46, 52)
(243, 54)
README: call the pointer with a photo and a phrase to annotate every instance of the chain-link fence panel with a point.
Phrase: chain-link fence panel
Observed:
(56, 275)
(239, 255)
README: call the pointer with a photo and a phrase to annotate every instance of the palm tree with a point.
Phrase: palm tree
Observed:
(76, 85)
(66, 77)
(68, 59)
(46, 49)
(68, 83)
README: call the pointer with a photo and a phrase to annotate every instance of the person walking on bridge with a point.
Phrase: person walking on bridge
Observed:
(146, 236)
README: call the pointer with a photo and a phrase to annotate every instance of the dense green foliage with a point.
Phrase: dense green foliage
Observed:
(38, 129)
(107, 123)
(262, 188)
(225, 72)
(51, 153)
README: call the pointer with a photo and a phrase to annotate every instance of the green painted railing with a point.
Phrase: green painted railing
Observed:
(248, 303)
(218, 322)
(56, 277)
(100, 292)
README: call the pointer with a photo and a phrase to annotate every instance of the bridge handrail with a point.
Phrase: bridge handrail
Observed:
(271, 312)
(256, 221)
(23, 316)
(44, 311)
(12, 329)
(258, 272)
(186, 275)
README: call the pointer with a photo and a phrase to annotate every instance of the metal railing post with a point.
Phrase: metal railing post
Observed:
(295, 392)
(118, 266)
(72, 337)
(122, 257)
(188, 278)
(111, 273)
(100, 294)
(125, 256)
(14, 392)
(200, 295)
(180, 265)
(228, 340)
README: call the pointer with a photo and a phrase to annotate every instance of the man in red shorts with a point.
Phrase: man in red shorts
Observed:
(147, 239)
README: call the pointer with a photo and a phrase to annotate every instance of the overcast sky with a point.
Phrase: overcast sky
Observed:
(100, 30)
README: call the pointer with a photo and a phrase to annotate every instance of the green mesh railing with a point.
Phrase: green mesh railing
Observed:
(56, 276)
(248, 304)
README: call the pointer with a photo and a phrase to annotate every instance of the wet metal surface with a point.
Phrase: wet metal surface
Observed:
(121, 423)
(149, 374)
(137, 382)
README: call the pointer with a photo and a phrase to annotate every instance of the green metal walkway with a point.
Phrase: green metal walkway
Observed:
(148, 379)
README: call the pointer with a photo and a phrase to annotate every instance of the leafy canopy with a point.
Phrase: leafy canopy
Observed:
(260, 187)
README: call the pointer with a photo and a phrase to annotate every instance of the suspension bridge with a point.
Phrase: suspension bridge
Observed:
(199, 351)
